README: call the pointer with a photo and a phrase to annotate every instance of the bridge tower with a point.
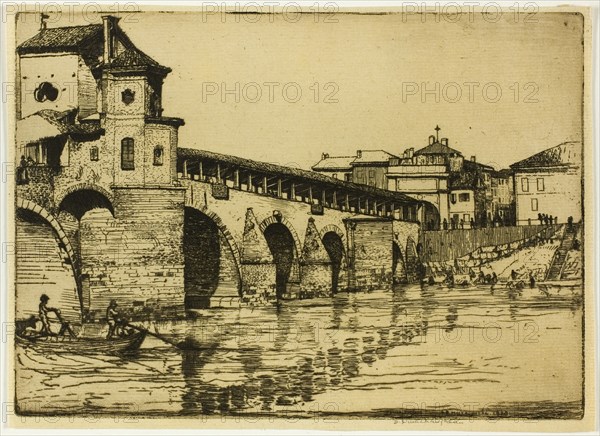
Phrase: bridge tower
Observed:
(145, 142)
(99, 167)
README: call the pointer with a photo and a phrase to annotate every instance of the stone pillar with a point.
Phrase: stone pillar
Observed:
(370, 253)
(257, 265)
(315, 276)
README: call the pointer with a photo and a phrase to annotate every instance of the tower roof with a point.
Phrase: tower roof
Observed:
(134, 58)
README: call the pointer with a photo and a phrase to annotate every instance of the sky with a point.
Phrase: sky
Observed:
(500, 88)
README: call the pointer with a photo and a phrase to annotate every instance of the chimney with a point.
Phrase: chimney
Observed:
(473, 159)
(445, 141)
(411, 152)
(431, 139)
(325, 156)
(110, 25)
(358, 153)
(43, 23)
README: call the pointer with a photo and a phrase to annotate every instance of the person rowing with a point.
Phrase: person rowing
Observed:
(117, 326)
(43, 312)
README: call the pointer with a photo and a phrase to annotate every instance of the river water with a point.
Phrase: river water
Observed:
(407, 353)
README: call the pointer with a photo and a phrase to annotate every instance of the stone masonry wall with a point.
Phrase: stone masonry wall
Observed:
(372, 258)
(137, 256)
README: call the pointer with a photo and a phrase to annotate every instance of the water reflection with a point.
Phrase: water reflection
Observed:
(356, 351)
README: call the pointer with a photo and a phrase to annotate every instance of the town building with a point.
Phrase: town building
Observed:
(367, 167)
(503, 200)
(371, 167)
(457, 192)
(458, 189)
(549, 183)
(339, 167)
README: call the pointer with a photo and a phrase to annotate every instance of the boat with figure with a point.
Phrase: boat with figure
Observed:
(81, 345)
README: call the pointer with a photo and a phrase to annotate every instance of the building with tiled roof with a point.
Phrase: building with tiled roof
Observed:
(88, 97)
(438, 148)
(338, 167)
(549, 182)
(367, 167)
(62, 39)
(459, 190)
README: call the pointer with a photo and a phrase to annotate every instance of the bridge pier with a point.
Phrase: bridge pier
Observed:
(135, 257)
(370, 253)
(257, 266)
(316, 270)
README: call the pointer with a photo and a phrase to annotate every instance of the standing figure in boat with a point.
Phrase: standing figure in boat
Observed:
(43, 312)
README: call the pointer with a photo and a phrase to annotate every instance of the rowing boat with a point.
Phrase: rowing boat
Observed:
(82, 345)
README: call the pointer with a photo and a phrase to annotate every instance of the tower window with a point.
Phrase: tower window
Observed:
(94, 153)
(128, 96)
(127, 154)
(158, 155)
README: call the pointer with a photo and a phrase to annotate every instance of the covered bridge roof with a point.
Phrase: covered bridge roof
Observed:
(296, 173)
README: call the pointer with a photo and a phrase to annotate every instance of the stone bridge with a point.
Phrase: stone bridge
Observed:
(225, 231)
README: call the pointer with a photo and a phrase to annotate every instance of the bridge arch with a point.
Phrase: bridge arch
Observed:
(211, 258)
(333, 228)
(333, 241)
(50, 219)
(59, 289)
(280, 219)
(285, 247)
(82, 197)
(220, 224)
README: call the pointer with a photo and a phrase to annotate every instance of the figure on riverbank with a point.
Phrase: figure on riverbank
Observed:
(531, 280)
(481, 277)
(22, 171)
(570, 223)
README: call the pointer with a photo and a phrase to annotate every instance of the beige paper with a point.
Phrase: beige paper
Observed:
(342, 219)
